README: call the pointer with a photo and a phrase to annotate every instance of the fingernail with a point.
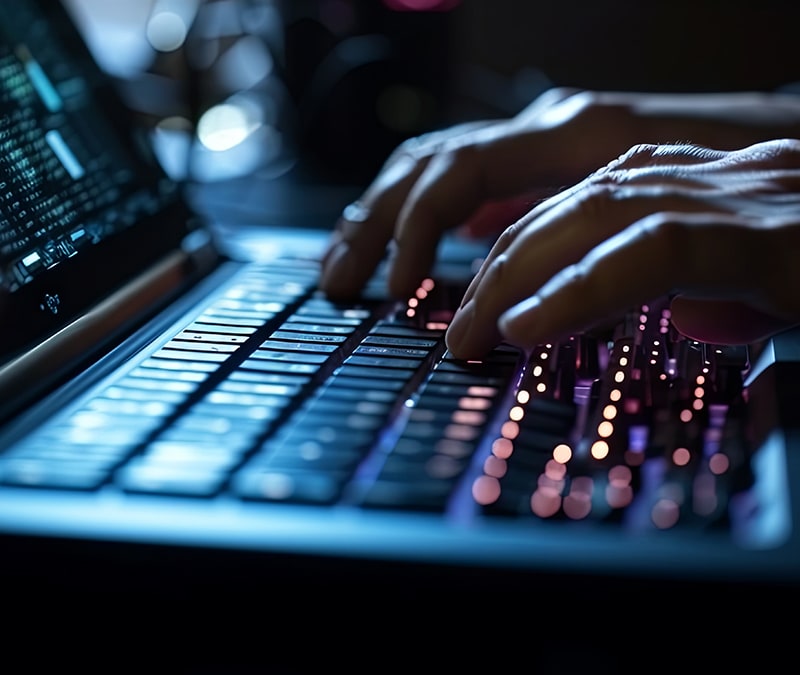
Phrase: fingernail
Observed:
(356, 212)
(459, 328)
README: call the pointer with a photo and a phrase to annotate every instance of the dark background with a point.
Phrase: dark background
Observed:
(488, 58)
(354, 78)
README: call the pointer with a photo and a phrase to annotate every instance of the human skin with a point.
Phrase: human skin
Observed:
(710, 220)
(717, 231)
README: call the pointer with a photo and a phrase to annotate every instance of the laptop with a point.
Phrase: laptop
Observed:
(179, 405)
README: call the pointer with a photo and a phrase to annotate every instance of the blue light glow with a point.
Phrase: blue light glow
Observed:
(68, 159)
(47, 92)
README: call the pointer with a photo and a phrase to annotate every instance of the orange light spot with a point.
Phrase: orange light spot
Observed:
(502, 448)
(545, 502)
(605, 429)
(562, 453)
(470, 403)
(718, 463)
(599, 449)
(495, 467)
(516, 413)
(610, 412)
(486, 490)
(509, 430)
(554, 470)
(681, 456)
(619, 475)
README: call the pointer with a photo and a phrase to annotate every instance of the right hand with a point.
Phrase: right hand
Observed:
(714, 231)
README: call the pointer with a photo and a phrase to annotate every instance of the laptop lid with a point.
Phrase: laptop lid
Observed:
(85, 209)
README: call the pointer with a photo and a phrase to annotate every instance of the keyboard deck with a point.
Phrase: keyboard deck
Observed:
(272, 393)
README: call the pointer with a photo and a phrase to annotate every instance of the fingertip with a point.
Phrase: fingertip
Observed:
(407, 270)
(356, 212)
(353, 253)
(458, 331)
(468, 336)
(521, 325)
(339, 274)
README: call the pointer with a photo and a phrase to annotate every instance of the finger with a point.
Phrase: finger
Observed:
(663, 168)
(661, 254)
(498, 163)
(510, 234)
(362, 233)
(570, 232)
(534, 250)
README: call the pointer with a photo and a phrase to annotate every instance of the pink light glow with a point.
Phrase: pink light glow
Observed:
(486, 490)
(421, 5)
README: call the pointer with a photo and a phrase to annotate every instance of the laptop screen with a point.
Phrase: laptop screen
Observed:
(83, 204)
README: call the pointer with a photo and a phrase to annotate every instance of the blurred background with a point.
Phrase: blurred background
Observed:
(322, 90)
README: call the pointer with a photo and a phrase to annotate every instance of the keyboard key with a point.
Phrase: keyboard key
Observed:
(177, 479)
(265, 484)
(417, 495)
(71, 474)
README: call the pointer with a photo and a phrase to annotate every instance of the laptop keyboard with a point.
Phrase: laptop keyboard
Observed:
(275, 394)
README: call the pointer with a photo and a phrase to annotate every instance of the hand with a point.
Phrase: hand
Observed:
(719, 230)
(483, 176)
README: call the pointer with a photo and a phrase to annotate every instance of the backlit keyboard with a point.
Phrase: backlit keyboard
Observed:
(272, 393)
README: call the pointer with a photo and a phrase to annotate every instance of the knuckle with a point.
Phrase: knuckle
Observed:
(424, 146)
(552, 97)
(459, 153)
(557, 94)
(412, 147)
(495, 272)
(510, 234)
(638, 155)
(791, 147)
(596, 201)
(781, 153)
